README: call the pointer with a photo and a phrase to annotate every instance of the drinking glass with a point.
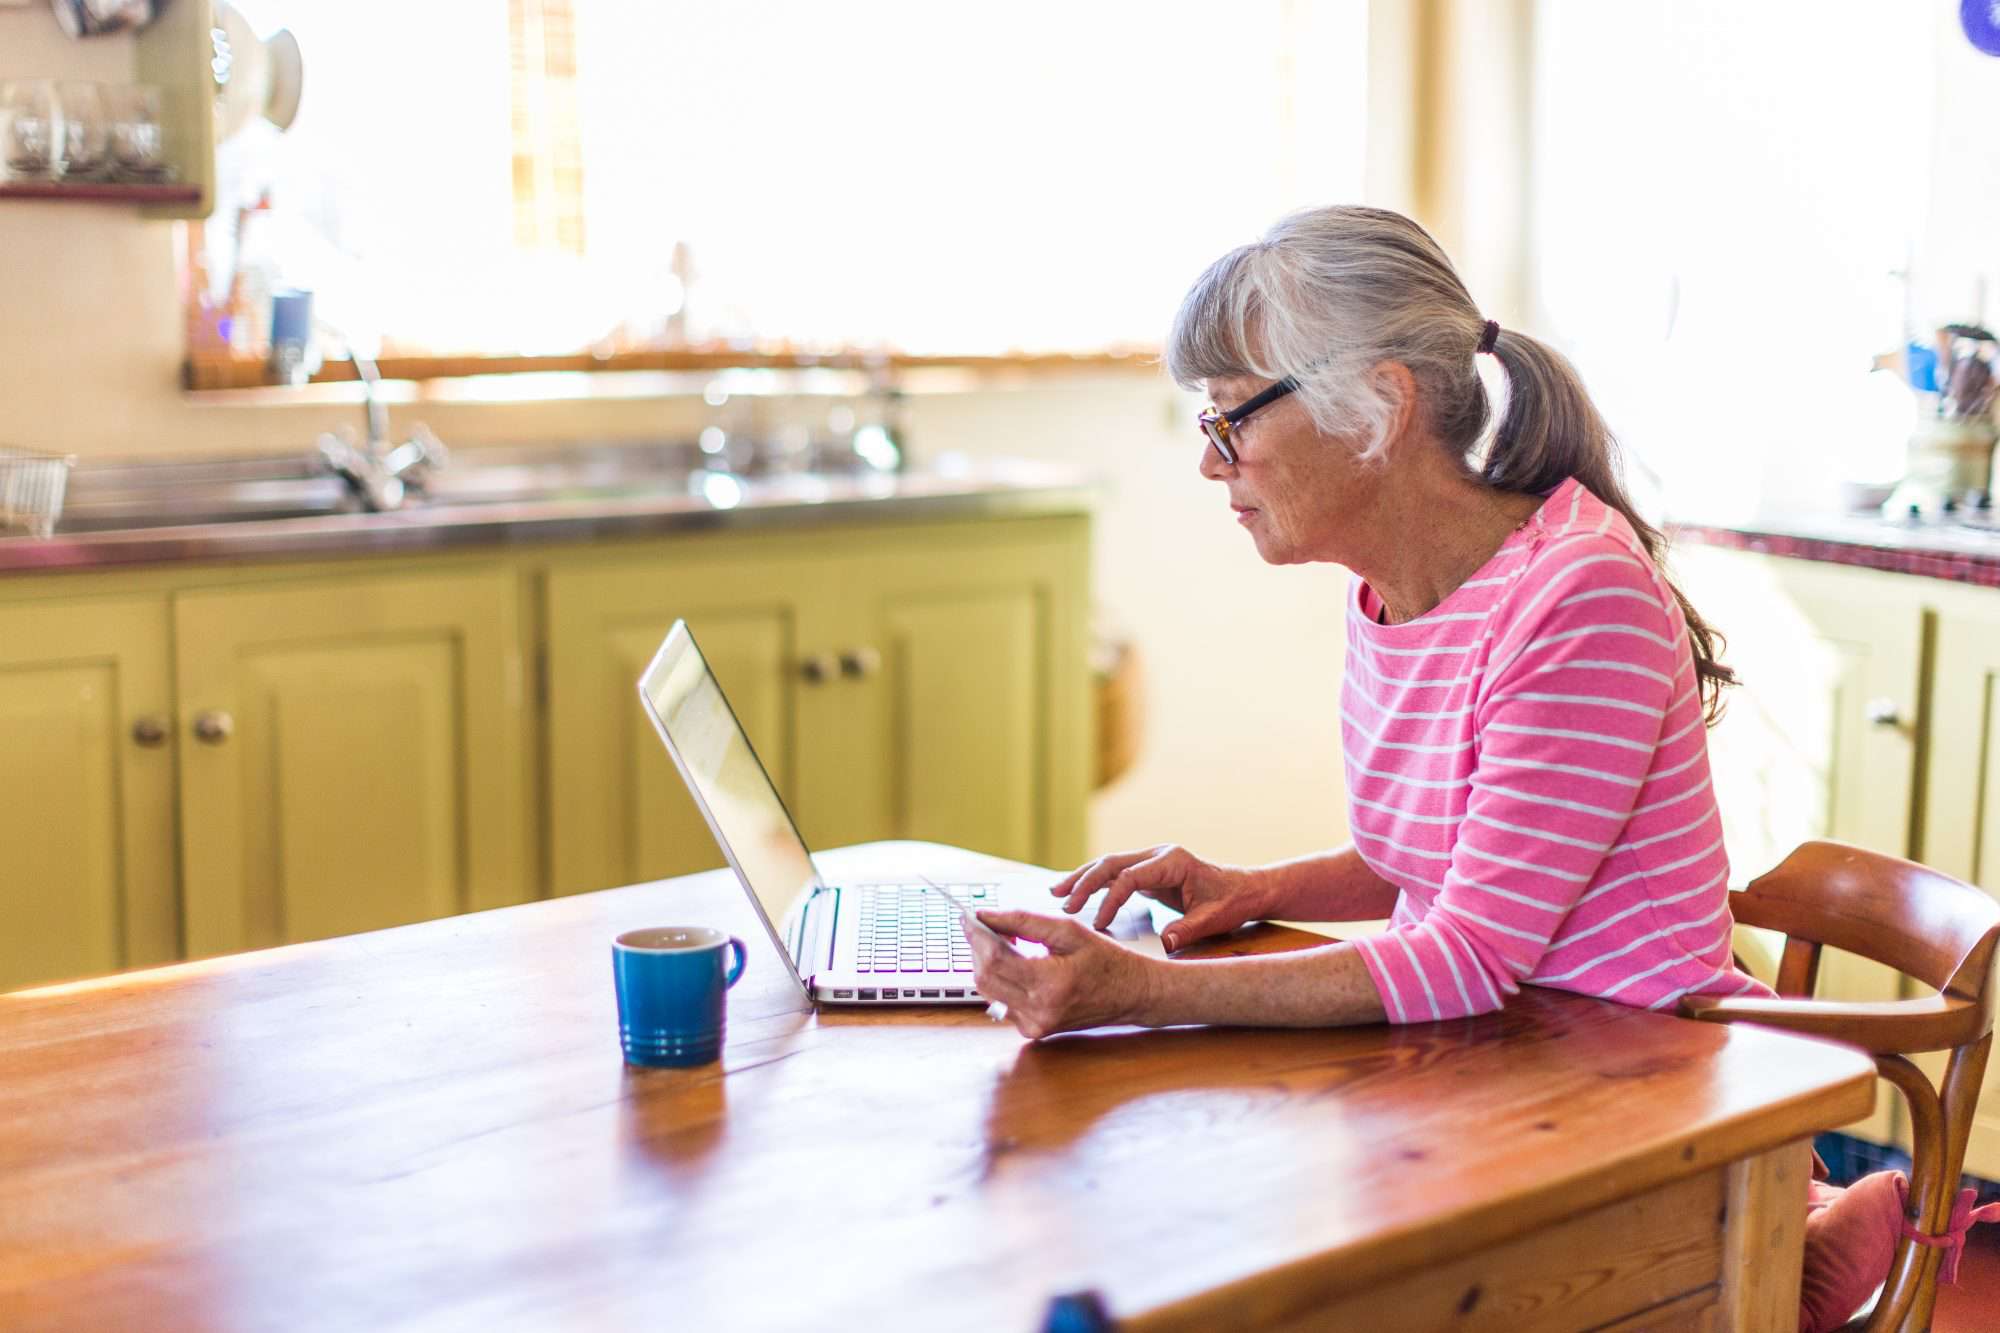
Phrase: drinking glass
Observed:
(138, 147)
(86, 131)
(31, 131)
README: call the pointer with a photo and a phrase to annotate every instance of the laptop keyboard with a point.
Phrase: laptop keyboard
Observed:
(905, 928)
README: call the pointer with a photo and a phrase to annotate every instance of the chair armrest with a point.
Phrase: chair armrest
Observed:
(1890, 1027)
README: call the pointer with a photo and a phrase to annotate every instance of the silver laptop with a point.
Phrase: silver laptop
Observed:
(876, 943)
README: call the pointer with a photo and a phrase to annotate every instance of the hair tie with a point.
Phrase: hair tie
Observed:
(1489, 337)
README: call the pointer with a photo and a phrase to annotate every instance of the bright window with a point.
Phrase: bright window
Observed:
(515, 176)
(1726, 195)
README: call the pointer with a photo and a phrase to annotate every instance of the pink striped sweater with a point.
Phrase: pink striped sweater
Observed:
(1527, 764)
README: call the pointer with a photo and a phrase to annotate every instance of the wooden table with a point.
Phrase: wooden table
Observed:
(431, 1127)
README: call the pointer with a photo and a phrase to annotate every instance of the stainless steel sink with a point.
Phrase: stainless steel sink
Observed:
(116, 496)
(110, 497)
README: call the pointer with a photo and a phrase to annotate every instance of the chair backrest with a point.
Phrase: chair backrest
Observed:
(1929, 926)
(1923, 923)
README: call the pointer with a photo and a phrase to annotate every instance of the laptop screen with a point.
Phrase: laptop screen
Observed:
(727, 779)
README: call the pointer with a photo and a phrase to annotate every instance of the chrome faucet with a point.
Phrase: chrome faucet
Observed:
(381, 474)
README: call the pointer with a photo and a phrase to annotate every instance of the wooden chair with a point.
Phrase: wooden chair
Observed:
(1926, 925)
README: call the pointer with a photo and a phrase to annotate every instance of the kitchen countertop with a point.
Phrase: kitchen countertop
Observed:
(1936, 548)
(987, 488)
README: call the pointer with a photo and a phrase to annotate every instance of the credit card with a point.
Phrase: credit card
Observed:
(966, 914)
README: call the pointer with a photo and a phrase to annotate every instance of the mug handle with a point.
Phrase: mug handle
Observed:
(735, 974)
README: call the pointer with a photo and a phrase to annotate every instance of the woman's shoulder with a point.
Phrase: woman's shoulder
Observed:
(1583, 564)
(1580, 542)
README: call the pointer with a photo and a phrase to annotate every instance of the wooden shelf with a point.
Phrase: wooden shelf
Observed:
(249, 373)
(100, 192)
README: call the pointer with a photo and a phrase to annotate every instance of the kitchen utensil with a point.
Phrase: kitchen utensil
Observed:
(1970, 356)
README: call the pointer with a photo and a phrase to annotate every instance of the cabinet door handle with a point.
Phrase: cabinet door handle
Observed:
(817, 669)
(860, 663)
(213, 726)
(1884, 712)
(150, 732)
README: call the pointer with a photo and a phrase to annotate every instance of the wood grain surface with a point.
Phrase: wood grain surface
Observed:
(432, 1127)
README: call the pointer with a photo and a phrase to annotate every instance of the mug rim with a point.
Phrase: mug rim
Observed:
(634, 941)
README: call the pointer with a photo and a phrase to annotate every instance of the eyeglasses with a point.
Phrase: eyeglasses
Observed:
(1218, 426)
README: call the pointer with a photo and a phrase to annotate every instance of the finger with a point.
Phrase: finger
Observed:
(1061, 888)
(992, 981)
(989, 952)
(1150, 874)
(1098, 874)
(1211, 919)
(1058, 933)
(1025, 1024)
(1015, 999)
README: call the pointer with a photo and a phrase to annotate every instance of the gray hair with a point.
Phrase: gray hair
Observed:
(1328, 294)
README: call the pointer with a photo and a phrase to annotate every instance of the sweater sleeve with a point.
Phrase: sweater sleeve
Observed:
(1578, 685)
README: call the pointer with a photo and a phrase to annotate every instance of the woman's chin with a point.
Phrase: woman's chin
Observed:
(1270, 549)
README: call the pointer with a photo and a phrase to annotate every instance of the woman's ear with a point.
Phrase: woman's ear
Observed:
(1397, 388)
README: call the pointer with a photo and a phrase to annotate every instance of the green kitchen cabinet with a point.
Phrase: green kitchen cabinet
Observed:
(921, 682)
(961, 714)
(87, 860)
(618, 812)
(351, 754)
(1961, 805)
(212, 757)
(1819, 740)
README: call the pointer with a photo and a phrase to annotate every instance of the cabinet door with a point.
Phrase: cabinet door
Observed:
(352, 755)
(1819, 740)
(87, 882)
(1961, 825)
(963, 715)
(618, 812)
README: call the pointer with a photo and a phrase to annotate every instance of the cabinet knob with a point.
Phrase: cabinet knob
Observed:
(817, 669)
(860, 663)
(213, 727)
(1883, 712)
(150, 732)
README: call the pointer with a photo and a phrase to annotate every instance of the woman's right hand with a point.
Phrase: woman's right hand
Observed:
(1212, 899)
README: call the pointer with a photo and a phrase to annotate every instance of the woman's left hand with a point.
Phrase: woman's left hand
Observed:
(1087, 980)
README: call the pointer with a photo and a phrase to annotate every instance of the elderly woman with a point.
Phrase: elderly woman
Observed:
(1525, 693)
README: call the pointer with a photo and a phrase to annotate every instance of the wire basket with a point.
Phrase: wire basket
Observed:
(31, 489)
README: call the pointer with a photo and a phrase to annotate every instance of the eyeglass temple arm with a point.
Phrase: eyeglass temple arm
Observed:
(1270, 395)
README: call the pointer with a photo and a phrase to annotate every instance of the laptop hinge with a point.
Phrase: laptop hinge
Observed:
(817, 931)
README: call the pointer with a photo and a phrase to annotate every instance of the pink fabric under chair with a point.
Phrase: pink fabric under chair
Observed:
(1851, 1237)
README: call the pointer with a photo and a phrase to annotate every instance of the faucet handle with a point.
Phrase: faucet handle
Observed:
(337, 451)
(377, 489)
(417, 458)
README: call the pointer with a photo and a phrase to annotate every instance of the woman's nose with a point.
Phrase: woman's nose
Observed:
(1212, 466)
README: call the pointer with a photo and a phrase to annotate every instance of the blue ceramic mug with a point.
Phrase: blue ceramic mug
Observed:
(670, 981)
